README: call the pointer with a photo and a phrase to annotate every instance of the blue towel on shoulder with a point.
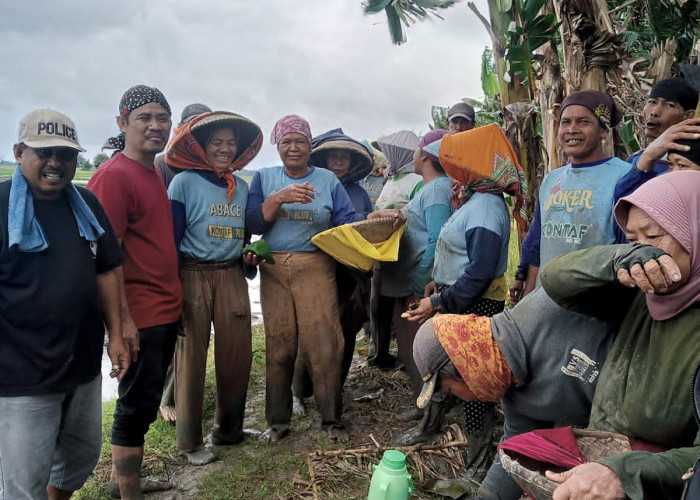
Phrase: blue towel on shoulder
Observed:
(23, 228)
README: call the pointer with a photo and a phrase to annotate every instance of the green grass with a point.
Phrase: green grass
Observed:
(252, 469)
(161, 456)
(81, 176)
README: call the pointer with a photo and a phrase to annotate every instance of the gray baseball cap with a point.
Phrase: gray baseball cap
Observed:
(461, 109)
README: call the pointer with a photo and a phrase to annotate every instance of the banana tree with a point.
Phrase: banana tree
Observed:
(401, 13)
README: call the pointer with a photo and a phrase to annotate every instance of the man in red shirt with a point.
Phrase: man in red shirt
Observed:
(134, 198)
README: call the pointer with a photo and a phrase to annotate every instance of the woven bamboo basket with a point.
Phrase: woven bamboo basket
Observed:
(529, 473)
(375, 230)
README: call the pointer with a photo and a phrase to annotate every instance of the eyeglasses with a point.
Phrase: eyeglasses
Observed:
(61, 154)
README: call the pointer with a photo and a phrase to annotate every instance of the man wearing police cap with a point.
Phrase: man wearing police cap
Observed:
(59, 260)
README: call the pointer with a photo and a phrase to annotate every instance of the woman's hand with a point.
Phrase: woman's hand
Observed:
(647, 267)
(591, 481)
(295, 193)
(252, 259)
(421, 313)
(515, 290)
(397, 215)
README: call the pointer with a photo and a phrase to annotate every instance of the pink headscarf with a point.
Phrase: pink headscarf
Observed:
(673, 201)
(288, 125)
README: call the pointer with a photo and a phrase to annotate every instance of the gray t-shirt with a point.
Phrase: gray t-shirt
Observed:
(556, 355)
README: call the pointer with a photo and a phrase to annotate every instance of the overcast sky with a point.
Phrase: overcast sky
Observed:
(322, 59)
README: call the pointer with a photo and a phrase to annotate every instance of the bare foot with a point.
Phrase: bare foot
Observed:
(147, 485)
(200, 456)
(168, 413)
(272, 435)
(298, 406)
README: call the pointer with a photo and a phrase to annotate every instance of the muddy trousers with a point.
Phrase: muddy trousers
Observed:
(353, 303)
(217, 295)
(300, 311)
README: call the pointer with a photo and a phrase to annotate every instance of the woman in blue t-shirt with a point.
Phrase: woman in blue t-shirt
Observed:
(404, 281)
(471, 254)
(288, 205)
(208, 203)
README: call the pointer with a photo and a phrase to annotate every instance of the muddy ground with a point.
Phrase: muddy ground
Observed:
(372, 400)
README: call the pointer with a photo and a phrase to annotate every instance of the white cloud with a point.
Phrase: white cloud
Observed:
(324, 60)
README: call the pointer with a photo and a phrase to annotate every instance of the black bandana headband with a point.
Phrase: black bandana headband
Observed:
(678, 90)
(135, 97)
(693, 154)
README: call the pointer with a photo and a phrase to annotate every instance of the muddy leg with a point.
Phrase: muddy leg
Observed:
(126, 467)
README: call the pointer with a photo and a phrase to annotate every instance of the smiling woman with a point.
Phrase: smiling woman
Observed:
(288, 205)
(208, 203)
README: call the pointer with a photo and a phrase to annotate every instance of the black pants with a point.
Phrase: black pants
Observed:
(142, 387)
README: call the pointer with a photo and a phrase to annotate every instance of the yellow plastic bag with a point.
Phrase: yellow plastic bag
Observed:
(348, 247)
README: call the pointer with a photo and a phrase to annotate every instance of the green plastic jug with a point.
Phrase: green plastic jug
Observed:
(390, 480)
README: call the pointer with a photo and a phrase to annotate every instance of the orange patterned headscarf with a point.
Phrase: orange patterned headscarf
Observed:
(482, 160)
(468, 341)
(184, 150)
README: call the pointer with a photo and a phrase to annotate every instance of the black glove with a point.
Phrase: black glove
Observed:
(636, 254)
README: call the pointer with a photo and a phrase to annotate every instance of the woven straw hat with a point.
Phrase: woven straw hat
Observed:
(359, 151)
(246, 130)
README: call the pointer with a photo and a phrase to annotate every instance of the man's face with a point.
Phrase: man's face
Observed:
(146, 129)
(338, 162)
(47, 170)
(460, 124)
(660, 113)
(581, 134)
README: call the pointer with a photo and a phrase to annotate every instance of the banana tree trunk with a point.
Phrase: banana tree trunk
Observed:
(551, 94)
(592, 50)
(519, 117)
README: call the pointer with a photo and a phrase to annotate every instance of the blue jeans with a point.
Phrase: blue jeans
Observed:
(49, 439)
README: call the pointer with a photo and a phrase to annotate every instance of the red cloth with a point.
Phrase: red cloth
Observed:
(552, 446)
(137, 206)
(559, 447)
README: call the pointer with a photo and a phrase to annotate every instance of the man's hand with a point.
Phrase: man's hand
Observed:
(252, 259)
(429, 289)
(666, 142)
(119, 356)
(591, 481)
(296, 193)
(422, 312)
(649, 268)
(131, 336)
